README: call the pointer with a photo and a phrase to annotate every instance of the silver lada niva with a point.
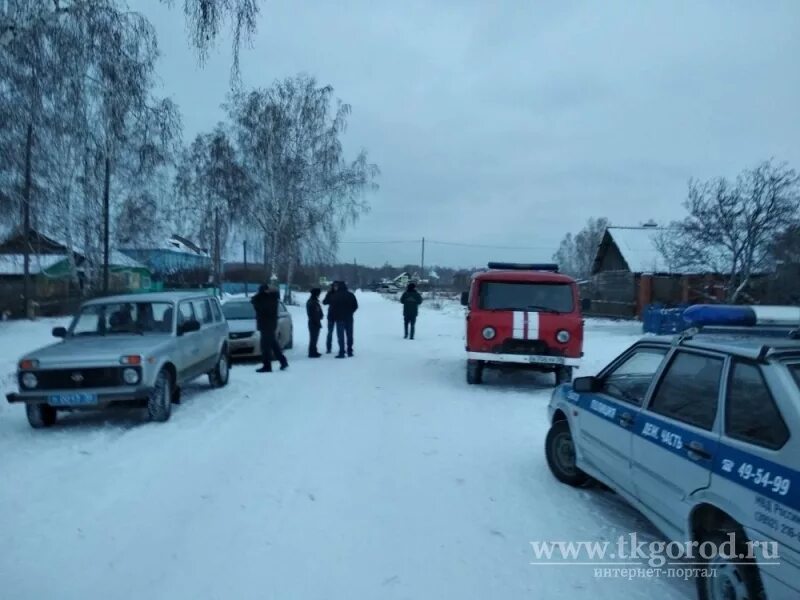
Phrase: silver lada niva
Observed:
(135, 350)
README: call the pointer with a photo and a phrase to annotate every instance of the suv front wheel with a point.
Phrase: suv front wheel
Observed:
(40, 415)
(159, 402)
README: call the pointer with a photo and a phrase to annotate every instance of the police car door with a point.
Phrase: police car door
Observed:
(756, 471)
(609, 414)
(675, 437)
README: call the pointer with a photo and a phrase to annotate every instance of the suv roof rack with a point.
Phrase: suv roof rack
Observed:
(524, 266)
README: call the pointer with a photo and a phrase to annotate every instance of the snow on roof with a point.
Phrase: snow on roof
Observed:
(639, 248)
(14, 264)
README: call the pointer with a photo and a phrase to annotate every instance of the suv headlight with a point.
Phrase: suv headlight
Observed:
(29, 380)
(562, 336)
(488, 333)
(131, 376)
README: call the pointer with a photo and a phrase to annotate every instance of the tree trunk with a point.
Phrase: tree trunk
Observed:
(266, 262)
(287, 297)
(273, 259)
(217, 257)
(106, 225)
(26, 225)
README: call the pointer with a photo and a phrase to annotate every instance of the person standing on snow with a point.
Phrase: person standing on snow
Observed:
(315, 314)
(331, 323)
(410, 300)
(343, 305)
(265, 303)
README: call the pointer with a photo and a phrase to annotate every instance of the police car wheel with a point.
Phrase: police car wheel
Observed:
(40, 415)
(733, 579)
(560, 453)
(474, 372)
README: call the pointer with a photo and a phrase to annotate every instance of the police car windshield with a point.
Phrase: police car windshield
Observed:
(543, 297)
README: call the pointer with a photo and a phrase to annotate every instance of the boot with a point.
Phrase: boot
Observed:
(284, 365)
(265, 369)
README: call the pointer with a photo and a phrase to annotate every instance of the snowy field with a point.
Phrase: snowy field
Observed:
(378, 477)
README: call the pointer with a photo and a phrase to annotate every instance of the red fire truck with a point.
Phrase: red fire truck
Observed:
(523, 316)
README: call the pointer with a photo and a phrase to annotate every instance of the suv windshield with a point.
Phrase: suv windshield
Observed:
(238, 310)
(123, 317)
(545, 297)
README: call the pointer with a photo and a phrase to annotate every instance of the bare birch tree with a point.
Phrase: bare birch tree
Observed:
(305, 190)
(731, 225)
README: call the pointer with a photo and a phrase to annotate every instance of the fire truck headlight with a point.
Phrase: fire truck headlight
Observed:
(488, 333)
(562, 336)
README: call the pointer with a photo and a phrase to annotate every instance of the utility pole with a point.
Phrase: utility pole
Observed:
(106, 223)
(26, 224)
(422, 262)
(355, 274)
(244, 247)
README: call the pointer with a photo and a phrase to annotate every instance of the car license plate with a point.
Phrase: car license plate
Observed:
(76, 399)
(546, 360)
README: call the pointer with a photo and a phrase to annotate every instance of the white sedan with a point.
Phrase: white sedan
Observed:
(243, 337)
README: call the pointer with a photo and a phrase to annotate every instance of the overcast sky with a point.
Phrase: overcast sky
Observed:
(508, 122)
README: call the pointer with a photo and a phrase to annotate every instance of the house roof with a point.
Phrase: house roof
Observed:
(14, 264)
(638, 248)
(47, 259)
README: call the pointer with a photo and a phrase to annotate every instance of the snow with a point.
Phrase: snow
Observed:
(380, 476)
(639, 249)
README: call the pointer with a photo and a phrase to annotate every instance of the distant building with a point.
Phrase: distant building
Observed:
(58, 271)
(630, 272)
(176, 261)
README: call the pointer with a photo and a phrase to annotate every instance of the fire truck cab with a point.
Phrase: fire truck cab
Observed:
(523, 316)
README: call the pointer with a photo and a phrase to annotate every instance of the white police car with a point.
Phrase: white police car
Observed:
(701, 433)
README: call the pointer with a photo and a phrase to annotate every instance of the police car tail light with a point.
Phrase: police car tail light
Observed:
(727, 315)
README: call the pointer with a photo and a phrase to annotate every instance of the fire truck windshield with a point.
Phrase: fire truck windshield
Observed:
(541, 297)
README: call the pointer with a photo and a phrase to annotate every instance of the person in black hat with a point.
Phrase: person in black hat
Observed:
(410, 300)
(331, 323)
(266, 303)
(315, 314)
(343, 306)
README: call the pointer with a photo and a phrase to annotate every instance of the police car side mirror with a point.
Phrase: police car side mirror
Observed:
(586, 304)
(464, 298)
(60, 332)
(585, 385)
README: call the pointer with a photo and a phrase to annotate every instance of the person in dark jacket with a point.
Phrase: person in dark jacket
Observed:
(343, 305)
(266, 302)
(331, 323)
(315, 314)
(410, 300)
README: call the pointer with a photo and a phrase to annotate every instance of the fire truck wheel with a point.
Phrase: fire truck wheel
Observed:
(474, 372)
(563, 375)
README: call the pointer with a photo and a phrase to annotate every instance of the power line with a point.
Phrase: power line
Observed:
(443, 243)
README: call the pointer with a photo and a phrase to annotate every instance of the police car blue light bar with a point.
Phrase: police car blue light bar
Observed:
(728, 315)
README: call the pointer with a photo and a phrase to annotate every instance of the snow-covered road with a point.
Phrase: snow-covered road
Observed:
(381, 476)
